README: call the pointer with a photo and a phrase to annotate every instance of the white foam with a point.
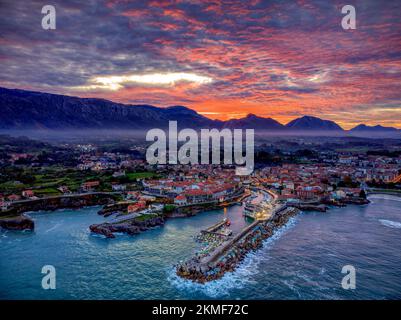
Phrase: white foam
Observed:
(291, 285)
(96, 235)
(54, 227)
(390, 224)
(241, 277)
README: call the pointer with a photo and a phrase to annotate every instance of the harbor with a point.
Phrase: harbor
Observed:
(142, 266)
(222, 249)
(259, 205)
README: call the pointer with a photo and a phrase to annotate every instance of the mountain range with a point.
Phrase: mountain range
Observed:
(378, 128)
(21, 109)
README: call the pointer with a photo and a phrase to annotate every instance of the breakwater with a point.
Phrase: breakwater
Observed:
(230, 253)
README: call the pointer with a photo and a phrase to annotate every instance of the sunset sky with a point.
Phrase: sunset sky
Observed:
(225, 59)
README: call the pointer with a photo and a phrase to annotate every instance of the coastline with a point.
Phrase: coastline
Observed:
(262, 273)
(67, 201)
(230, 254)
(16, 219)
(226, 257)
(134, 225)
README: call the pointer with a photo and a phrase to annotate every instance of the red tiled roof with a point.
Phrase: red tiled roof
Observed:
(196, 192)
(91, 183)
(180, 197)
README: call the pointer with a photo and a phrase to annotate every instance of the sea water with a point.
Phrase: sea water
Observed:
(303, 260)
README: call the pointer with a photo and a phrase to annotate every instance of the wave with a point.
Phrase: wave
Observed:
(292, 286)
(390, 224)
(96, 235)
(240, 278)
(384, 197)
(54, 227)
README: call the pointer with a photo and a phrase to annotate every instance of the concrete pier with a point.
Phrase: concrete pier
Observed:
(227, 256)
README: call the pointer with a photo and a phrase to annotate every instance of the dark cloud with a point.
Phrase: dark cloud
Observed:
(277, 57)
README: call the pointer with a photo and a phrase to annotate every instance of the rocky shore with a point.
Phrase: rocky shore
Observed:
(194, 209)
(324, 205)
(200, 272)
(135, 226)
(311, 207)
(357, 201)
(60, 202)
(17, 223)
(112, 208)
(131, 227)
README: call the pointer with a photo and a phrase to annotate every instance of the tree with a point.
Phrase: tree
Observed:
(168, 208)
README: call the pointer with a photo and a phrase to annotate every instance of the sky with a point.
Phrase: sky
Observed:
(224, 59)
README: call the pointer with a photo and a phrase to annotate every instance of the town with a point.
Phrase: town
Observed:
(84, 168)
(188, 152)
(290, 176)
(32, 170)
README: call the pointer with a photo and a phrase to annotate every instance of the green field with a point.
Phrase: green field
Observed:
(145, 217)
(46, 181)
(141, 175)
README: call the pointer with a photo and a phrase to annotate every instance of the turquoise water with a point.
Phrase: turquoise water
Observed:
(302, 261)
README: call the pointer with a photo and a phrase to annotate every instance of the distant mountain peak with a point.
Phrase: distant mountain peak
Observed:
(312, 123)
(251, 116)
(252, 121)
(364, 127)
(179, 108)
(306, 117)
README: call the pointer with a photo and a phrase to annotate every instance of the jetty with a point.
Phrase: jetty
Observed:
(225, 256)
(219, 229)
(229, 253)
